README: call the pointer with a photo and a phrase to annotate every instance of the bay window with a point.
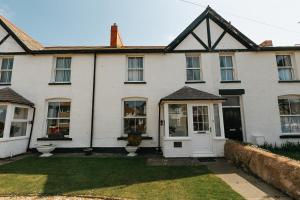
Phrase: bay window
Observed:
(289, 108)
(6, 70)
(58, 119)
(134, 117)
(285, 67)
(135, 70)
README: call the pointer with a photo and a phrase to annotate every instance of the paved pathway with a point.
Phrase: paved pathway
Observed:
(248, 186)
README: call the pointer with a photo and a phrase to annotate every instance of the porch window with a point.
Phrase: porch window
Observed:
(289, 108)
(134, 116)
(58, 119)
(135, 69)
(63, 70)
(200, 118)
(6, 70)
(19, 123)
(227, 70)
(285, 68)
(178, 120)
(193, 71)
(3, 110)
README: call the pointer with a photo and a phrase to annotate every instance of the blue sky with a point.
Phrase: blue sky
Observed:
(147, 22)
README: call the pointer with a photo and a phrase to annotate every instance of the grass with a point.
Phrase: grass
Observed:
(291, 150)
(111, 177)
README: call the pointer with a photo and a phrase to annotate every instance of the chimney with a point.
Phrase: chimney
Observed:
(266, 43)
(115, 38)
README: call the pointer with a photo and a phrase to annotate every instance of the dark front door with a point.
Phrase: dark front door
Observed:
(233, 123)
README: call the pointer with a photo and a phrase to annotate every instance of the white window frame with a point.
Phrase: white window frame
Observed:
(194, 68)
(127, 67)
(144, 117)
(6, 121)
(293, 71)
(56, 100)
(61, 69)
(288, 97)
(209, 130)
(233, 68)
(6, 70)
(20, 120)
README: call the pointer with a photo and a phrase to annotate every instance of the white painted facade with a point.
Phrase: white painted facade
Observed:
(164, 73)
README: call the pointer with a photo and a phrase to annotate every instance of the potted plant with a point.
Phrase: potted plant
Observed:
(134, 140)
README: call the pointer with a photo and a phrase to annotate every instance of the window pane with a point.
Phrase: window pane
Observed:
(64, 126)
(284, 106)
(283, 60)
(200, 117)
(2, 119)
(7, 63)
(62, 76)
(52, 127)
(290, 124)
(189, 74)
(21, 113)
(226, 61)
(135, 126)
(196, 74)
(193, 74)
(295, 106)
(62, 63)
(226, 74)
(231, 101)
(285, 74)
(217, 120)
(178, 120)
(192, 62)
(134, 108)
(135, 75)
(64, 110)
(53, 109)
(135, 62)
(5, 77)
(18, 129)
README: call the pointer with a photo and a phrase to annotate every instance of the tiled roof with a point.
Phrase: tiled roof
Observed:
(188, 93)
(8, 95)
(29, 42)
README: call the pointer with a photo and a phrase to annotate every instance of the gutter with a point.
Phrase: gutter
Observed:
(93, 101)
(30, 135)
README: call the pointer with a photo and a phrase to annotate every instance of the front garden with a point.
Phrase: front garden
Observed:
(291, 150)
(111, 177)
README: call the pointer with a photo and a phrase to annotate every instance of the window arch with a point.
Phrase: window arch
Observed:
(289, 109)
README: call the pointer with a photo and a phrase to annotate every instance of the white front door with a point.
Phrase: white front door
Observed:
(201, 130)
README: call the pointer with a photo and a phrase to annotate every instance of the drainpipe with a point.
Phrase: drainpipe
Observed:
(30, 135)
(93, 101)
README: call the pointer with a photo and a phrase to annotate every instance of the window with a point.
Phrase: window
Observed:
(289, 108)
(58, 119)
(217, 120)
(178, 120)
(3, 110)
(200, 118)
(227, 70)
(135, 69)
(193, 71)
(285, 69)
(19, 123)
(134, 117)
(6, 70)
(62, 70)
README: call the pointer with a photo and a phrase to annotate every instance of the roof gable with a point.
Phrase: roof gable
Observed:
(212, 32)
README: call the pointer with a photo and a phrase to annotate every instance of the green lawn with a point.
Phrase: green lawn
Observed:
(112, 177)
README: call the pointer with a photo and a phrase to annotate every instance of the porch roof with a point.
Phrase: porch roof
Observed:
(188, 93)
(8, 95)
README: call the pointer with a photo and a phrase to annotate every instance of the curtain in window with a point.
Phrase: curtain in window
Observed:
(285, 74)
(135, 69)
(289, 114)
(63, 70)
(6, 70)
(226, 66)
(193, 68)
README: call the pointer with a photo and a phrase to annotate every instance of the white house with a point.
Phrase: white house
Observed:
(210, 83)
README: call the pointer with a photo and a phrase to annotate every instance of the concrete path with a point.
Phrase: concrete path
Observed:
(248, 186)
(13, 159)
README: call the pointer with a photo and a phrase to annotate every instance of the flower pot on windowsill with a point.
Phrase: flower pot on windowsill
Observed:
(134, 140)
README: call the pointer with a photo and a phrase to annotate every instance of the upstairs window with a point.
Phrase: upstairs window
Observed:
(193, 71)
(135, 71)
(62, 73)
(134, 116)
(58, 119)
(289, 108)
(19, 123)
(285, 68)
(227, 69)
(6, 70)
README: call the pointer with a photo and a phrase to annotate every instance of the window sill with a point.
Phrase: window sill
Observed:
(13, 138)
(54, 139)
(192, 82)
(69, 83)
(5, 84)
(177, 139)
(234, 81)
(143, 138)
(135, 82)
(289, 81)
(286, 136)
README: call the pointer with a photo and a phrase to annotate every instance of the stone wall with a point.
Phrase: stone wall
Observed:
(281, 172)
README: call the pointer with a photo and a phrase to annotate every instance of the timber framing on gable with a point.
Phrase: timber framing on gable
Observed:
(207, 15)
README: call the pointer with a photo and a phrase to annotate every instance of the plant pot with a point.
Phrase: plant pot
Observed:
(45, 150)
(131, 150)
